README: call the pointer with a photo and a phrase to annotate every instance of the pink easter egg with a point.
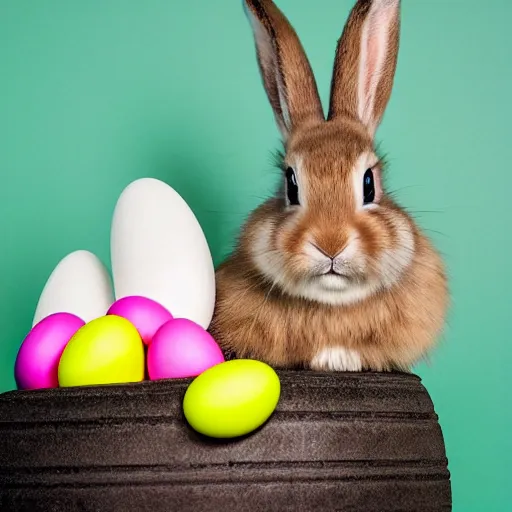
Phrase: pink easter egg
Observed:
(180, 349)
(145, 314)
(38, 358)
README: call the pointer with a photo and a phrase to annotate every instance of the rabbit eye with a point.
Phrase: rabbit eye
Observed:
(368, 187)
(292, 188)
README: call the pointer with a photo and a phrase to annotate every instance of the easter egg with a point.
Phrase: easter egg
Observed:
(159, 251)
(181, 348)
(107, 350)
(38, 357)
(145, 314)
(232, 399)
(79, 284)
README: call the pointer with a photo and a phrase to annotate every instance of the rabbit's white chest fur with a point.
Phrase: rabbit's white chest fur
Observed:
(337, 359)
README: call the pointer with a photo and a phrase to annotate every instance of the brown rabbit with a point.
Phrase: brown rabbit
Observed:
(330, 274)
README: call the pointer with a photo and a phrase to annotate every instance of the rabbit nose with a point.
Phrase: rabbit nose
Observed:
(319, 249)
(330, 243)
(324, 252)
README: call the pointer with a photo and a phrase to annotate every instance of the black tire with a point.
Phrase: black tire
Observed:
(367, 442)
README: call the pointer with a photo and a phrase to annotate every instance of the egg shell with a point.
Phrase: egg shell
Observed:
(79, 284)
(107, 350)
(159, 251)
(38, 358)
(232, 399)
(181, 348)
(145, 314)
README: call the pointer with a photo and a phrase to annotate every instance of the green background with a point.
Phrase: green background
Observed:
(94, 94)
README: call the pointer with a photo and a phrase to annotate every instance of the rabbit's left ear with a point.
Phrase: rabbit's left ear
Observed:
(365, 62)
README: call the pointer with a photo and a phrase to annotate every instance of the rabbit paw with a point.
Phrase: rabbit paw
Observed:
(337, 359)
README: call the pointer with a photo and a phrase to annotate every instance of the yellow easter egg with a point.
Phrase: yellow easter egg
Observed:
(232, 399)
(107, 350)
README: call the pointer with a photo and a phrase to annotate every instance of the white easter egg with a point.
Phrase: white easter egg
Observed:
(80, 284)
(159, 251)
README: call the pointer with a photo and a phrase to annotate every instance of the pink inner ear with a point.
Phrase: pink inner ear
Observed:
(372, 57)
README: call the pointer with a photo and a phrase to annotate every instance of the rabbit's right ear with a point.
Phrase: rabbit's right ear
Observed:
(284, 66)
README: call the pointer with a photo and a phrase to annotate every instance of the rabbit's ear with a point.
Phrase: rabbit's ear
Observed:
(284, 66)
(365, 62)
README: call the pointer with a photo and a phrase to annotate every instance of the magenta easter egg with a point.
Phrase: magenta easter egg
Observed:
(39, 355)
(145, 314)
(181, 348)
